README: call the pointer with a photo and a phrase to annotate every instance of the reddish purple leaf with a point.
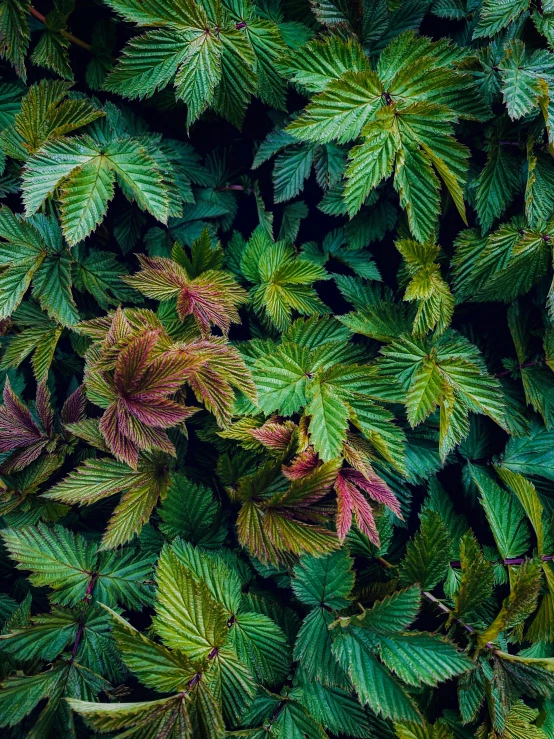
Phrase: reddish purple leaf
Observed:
(351, 503)
(375, 487)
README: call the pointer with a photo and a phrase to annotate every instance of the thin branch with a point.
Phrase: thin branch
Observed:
(511, 561)
(65, 34)
(440, 605)
(521, 366)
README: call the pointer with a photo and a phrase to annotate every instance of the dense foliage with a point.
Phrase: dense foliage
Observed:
(277, 355)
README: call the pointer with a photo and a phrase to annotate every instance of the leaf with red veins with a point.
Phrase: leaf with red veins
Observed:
(375, 487)
(351, 503)
(73, 410)
(133, 362)
(44, 409)
(161, 413)
(143, 436)
(120, 446)
(160, 278)
(18, 431)
(17, 428)
(213, 369)
(212, 298)
(274, 435)
(306, 462)
(164, 376)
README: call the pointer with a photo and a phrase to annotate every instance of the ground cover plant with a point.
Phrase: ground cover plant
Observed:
(277, 355)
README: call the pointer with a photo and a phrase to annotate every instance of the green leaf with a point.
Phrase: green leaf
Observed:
(532, 454)
(504, 513)
(15, 34)
(85, 198)
(370, 162)
(496, 186)
(419, 658)
(428, 554)
(328, 422)
(148, 64)
(190, 511)
(56, 557)
(418, 189)
(529, 499)
(341, 111)
(52, 287)
(154, 665)
(521, 75)
(394, 613)
(260, 644)
(187, 617)
(199, 73)
(495, 16)
(324, 580)
(519, 604)
(374, 685)
(477, 581)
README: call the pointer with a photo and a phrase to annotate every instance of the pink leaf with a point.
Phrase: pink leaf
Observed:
(376, 488)
(306, 462)
(352, 503)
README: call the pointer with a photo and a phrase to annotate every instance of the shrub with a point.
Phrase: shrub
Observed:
(276, 439)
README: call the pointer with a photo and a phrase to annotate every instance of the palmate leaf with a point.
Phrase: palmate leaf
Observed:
(455, 379)
(282, 281)
(33, 252)
(45, 114)
(391, 111)
(211, 297)
(97, 479)
(85, 170)
(56, 557)
(324, 580)
(522, 75)
(39, 336)
(427, 287)
(215, 58)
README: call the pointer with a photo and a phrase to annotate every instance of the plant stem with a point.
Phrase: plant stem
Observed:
(510, 561)
(521, 366)
(65, 34)
(440, 605)
(86, 599)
